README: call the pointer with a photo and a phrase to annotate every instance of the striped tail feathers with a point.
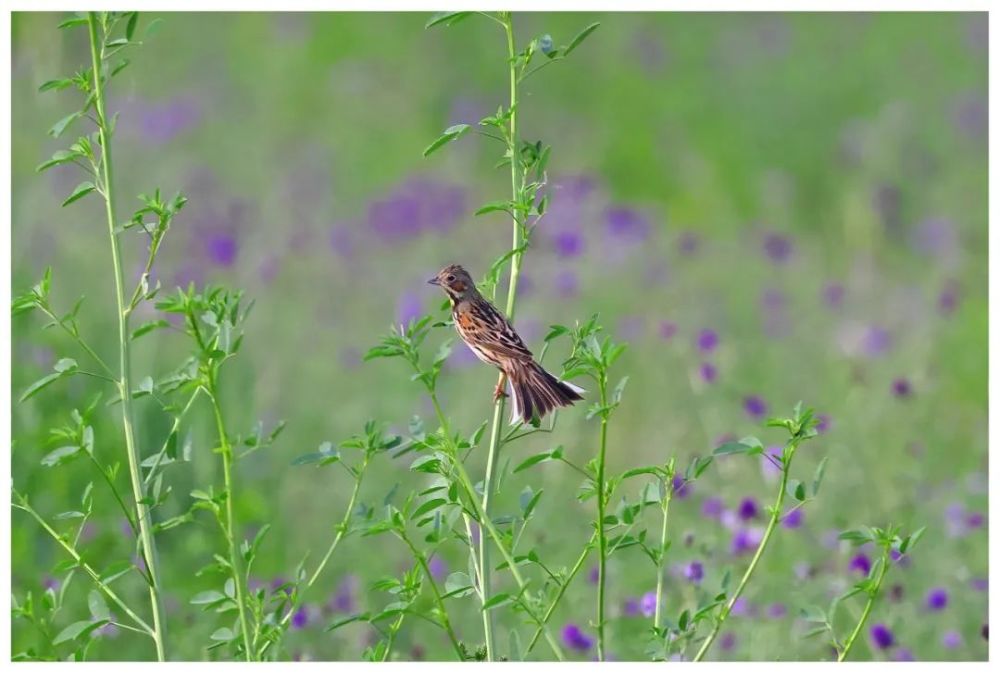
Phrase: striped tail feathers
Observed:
(535, 392)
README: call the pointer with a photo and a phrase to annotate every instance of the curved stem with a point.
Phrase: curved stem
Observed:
(771, 525)
(445, 622)
(80, 340)
(602, 541)
(125, 360)
(868, 606)
(559, 594)
(230, 526)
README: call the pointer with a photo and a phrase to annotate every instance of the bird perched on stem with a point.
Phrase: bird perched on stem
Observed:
(492, 338)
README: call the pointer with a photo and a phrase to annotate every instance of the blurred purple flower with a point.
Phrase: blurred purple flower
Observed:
(951, 640)
(876, 341)
(342, 240)
(881, 636)
(743, 608)
(648, 603)
(901, 387)
(936, 599)
(409, 307)
(681, 487)
(727, 641)
(833, 295)
(707, 372)
(712, 507)
(221, 248)
(594, 576)
(301, 618)
(903, 654)
(707, 340)
(936, 237)
(824, 423)
(575, 639)
(980, 584)
(971, 115)
(949, 298)
(631, 327)
(566, 284)
(793, 519)
(50, 582)
(343, 599)
(755, 407)
(896, 592)
(626, 225)
(568, 243)
(777, 610)
(688, 243)
(745, 540)
(414, 207)
(778, 248)
(438, 568)
(748, 509)
(770, 467)
(631, 608)
(860, 563)
(159, 122)
(694, 572)
(667, 330)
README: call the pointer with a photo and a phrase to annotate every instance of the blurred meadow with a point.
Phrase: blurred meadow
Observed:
(766, 207)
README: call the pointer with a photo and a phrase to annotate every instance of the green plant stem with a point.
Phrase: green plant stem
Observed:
(602, 540)
(771, 525)
(663, 547)
(559, 594)
(71, 550)
(498, 407)
(79, 339)
(872, 595)
(125, 360)
(445, 622)
(229, 525)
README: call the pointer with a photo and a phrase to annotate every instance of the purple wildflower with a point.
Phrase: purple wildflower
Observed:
(343, 598)
(727, 641)
(951, 640)
(793, 519)
(949, 298)
(748, 509)
(901, 388)
(667, 330)
(770, 467)
(626, 225)
(631, 608)
(648, 603)
(594, 576)
(776, 610)
(694, 572)
(408, 308)
(711, 508)
(833, 295)
(301, 618)
(980, 584)
(755, 407)
(881, 636)
(681, 487)
(438, 568)
(745, 540)
(860, 563)
(876, 341)
(221, 248)
(568, 243)
(50, 582)
(707, 340)
(708, 372)
(823, 423)
(903, 654)
(936, 599)
(778, 248)
(575, 639)
(896, 592)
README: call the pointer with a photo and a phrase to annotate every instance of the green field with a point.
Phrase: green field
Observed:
(811, 189)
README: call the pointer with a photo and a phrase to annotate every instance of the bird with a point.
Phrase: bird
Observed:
(488, 333)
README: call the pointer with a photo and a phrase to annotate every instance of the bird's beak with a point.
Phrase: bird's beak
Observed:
(434, 281)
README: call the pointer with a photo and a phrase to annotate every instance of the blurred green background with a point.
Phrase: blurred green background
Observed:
(809, 188)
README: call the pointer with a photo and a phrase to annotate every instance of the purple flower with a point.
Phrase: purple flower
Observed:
(881, 636)
(566, 284)
(711, 508)
(727, 641)
(860, 563)
(980, 584)
(747, 509)
(745, 540)
(755, 407)
(951, 640)
(833, 295)
(343, 598)
(901, 388)
(594, 576)
(793, 519)
(743, 608)
(438, 568)
(648, 603)
(949, 298)
(575, 639)
(707, 372)
(409, 307)
(667, 330)
(936, 599)
(707, 340)
(631, 608)
(159, 122)
(221, 248)
(778, 248)
(568, 243)
(626, 225)
(681, 487)
(414, 207)
(300, 618)
(776, 610)
(823, 424)
(342, 241)
(50, 582)
(876, 341)
(896, 593)
(694, 572)
(903, 654)
(770, 462)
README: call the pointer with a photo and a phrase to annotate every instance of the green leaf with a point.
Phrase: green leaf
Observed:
(730, 448)
(533, 460)
(818, 476)
(130, 27)
(497, 600)
(580, 37)
(61, 455)
(98, 607)
(207, 598)
(81, 191)
(494, 206)
(798, 489)
(55, 84)
(78, 630)
(223, 634)
(449, 134)
(446, 18)
(811, 613)
(428, 506)
(61, 125)
(39, 385)
(458, 585)
(75, 21)
(912, 539)
(148, 327)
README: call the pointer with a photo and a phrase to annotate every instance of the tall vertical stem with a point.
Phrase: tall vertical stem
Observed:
(602, 540)
(515, 270)
(868, 606)
(124, 357)
(668, 494)
(230, 521)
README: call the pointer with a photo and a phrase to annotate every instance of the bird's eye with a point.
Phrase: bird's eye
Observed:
(451, 278)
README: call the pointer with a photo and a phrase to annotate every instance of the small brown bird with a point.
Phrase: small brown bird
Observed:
(492, 338)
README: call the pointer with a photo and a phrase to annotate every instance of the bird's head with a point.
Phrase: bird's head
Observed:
(455, 281)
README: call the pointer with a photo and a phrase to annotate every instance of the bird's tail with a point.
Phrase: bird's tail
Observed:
(536, 392)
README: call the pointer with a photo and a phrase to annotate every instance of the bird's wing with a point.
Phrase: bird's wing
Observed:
(483, 325)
